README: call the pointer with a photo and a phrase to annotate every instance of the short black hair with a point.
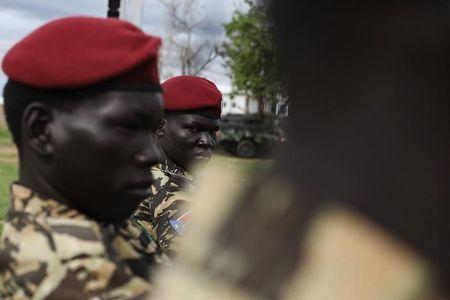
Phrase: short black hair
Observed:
(18, 96)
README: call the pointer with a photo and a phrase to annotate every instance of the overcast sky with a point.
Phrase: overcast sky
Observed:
(19, 17)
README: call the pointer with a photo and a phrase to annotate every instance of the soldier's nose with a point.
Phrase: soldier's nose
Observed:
(206, 140)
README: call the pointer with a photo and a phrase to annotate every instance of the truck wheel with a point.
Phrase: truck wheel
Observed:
(231, 148)
(246, 148)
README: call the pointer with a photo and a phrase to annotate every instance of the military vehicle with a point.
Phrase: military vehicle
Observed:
(251, 135)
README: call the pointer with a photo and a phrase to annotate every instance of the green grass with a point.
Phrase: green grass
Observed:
(8, 173)
(8, 170)
(5, 137)
(249, 169)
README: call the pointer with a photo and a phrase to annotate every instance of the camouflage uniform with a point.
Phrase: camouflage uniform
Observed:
(49, 250)
(164, 214)
(146, 253)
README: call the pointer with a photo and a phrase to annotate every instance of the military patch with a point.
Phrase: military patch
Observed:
(179, 223)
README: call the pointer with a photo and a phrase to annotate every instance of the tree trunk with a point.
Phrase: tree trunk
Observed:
(247, 104)
(261, 105)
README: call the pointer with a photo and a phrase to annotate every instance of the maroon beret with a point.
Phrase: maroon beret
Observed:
(184, 93)
(76, 52)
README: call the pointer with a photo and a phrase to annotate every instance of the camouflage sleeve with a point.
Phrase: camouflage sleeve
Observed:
(137, 248)
(165, 216)
(98, 278)
(140, 239)
(62, 259)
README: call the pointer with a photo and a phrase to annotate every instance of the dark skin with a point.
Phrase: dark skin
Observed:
(95, 155)
(188, 139)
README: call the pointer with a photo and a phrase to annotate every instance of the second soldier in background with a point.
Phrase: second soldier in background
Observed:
(187, 138)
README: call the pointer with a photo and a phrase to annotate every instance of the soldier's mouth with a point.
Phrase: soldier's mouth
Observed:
(203, 158)
(203, 155)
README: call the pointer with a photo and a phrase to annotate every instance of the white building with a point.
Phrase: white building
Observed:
(241, 104)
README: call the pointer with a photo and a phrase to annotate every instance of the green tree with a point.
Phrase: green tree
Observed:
(249, 53)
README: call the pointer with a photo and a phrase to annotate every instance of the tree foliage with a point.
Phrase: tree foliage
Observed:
(249, 52)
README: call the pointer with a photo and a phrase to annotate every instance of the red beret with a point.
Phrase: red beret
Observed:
(183, 93)
(75, 52)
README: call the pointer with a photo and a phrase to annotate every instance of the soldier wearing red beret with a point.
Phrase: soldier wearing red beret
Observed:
(79, 89)
(192, 108)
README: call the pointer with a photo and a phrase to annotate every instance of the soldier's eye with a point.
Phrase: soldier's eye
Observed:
(192, 129)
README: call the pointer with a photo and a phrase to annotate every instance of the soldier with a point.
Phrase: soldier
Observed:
(79, 90)
(192, 109)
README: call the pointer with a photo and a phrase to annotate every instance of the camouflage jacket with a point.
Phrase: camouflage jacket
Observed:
(165, 213)
(51, 251)
(146, 252)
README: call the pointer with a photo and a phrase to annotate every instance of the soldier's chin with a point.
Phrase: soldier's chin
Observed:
(202, 160)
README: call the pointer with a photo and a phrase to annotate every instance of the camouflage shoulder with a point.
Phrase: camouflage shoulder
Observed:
(160, 177)
(99, 278)
(55, 258)
(164, 216)
(159, 189)
(133, 233)
(136, 245)
(171, 215)
(97, 267)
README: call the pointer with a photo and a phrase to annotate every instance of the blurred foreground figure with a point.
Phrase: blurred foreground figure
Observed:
(192, 112)
(357, 204)
(83, 104)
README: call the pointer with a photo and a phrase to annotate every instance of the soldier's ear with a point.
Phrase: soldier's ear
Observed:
(36, 121)
(160, 130)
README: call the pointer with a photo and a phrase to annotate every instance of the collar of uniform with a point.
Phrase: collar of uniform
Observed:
(25, 200)
(173, 168)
